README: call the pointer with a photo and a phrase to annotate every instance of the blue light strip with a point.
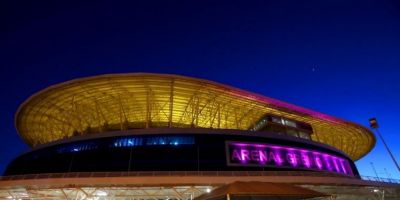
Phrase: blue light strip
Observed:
(78, 147)
(129, 142)
(153, 140)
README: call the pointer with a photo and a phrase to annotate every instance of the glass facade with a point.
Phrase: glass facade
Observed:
(283, 126)
(84, 146)
(153, 140)
(158, 152)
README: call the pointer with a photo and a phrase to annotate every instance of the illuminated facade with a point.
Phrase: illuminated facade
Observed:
(263, 155)
(140, 132)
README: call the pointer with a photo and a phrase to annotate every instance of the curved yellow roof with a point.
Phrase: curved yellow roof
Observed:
(140, 100)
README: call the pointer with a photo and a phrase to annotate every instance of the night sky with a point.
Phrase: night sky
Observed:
(341, 58)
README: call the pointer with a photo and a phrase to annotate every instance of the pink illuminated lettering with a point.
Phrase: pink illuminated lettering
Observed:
(306, 160)
(275, 156)
(327, 163)
(235, 155)
(268, 155)
(263, 156)
(343, 166)
(245, 154)
(318, 162)
(336, 164)
(292, 158)
(255, 155)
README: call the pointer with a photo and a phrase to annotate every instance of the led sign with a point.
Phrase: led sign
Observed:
(267, 155)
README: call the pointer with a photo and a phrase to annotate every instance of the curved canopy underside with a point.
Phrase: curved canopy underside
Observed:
(126, 101)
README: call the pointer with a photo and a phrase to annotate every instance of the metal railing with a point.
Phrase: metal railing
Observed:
(378, 179)
(170, 173)
(191, 173)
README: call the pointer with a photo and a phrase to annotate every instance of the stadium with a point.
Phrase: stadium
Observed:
(160, 136)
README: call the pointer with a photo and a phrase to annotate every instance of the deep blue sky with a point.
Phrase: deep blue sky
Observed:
(338, 57)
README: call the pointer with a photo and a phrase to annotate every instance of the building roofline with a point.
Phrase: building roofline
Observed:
(270, 102)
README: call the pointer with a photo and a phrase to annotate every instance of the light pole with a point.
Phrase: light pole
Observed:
(373, 168)
(373, 123)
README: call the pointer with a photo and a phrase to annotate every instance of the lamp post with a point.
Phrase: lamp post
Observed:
(373, 168)
(373, 123)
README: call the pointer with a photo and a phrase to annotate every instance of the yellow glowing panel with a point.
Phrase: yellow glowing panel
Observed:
(126, 101)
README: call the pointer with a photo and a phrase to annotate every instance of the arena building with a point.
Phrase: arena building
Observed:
(158, 136)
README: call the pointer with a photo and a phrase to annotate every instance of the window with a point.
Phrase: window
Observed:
(289, 123)
(77, 147)
(304, 135)
(153, 140)
(292, 133)
(283, 126)
(279, 129)
(276, 120)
